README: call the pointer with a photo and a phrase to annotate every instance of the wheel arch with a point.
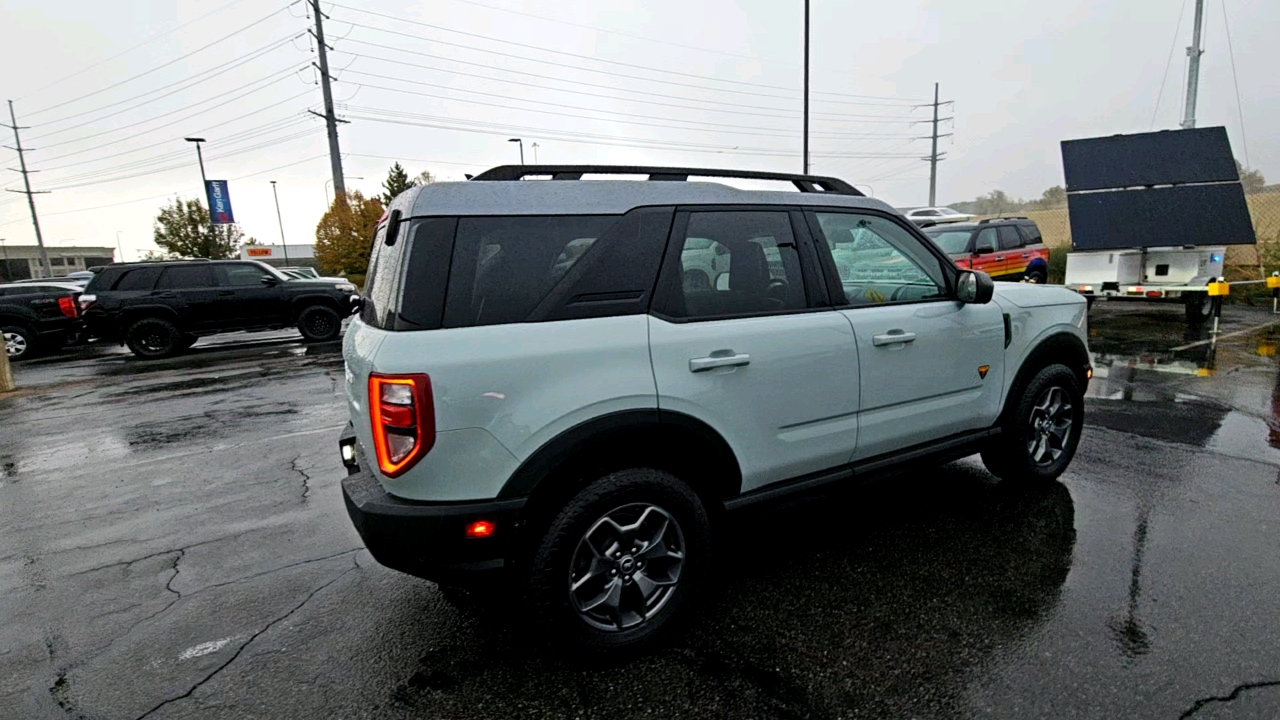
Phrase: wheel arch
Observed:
(1058, 347)
(158, 312)
(663, 440)
(302, 302)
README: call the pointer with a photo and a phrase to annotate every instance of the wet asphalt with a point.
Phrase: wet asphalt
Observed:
(174, 544)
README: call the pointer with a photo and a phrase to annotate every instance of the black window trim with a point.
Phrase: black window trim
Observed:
(669, 276)
(950, 271)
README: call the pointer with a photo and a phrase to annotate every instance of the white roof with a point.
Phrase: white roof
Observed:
(603, 197)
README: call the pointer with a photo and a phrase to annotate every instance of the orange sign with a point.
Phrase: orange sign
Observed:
(259, 252)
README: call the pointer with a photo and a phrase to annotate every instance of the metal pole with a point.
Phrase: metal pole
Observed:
(535, 153)
(806, 87)
(330, 119)
(31, 198)
(280, 220)
(119, 246)
(933, 156)
(520, 141)
(1193, 69)
(204, 182)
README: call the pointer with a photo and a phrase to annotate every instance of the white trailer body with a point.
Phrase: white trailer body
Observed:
(1151, 274)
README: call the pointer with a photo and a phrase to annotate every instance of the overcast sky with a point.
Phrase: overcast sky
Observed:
(109, 90)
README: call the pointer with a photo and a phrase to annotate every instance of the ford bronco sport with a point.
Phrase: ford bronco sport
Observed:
(568, 381)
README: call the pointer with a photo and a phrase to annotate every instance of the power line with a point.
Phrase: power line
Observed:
(579, 57)
(131, 48)
(1244, 140)
(163, 65)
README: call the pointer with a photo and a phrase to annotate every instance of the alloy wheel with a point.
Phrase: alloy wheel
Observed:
(626, 567)
(15, 345)
(1051, 422)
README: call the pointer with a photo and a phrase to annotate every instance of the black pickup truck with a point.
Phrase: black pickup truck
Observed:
(160, 308)
(38, 316)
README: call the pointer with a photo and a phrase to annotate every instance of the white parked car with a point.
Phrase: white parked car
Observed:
(936, 215)
(564, 382)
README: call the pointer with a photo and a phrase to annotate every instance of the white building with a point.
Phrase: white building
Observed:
(22, 262)
(281, 255)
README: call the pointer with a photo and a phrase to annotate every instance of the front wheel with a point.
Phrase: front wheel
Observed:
(620, 565)
(319, 323)
(19, 342)
(1040, 434)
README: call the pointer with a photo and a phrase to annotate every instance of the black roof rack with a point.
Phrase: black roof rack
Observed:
(1006, 217)
(803, 183)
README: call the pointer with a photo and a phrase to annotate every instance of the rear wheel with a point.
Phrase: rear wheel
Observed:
(619, 567)
(153, 338)
(19, 342)
(1040, 433)
(319, 323)
(1197, 306)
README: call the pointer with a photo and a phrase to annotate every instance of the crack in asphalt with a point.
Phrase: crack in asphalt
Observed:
(247, 643)
(1235, 695)
(306, 479)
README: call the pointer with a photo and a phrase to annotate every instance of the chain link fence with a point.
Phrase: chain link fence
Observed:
(1242, 261)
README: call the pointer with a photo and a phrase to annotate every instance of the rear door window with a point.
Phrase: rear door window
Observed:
(1031, 233)
(187, 277)
(503, 267)
(138, 279)
(1009, 238)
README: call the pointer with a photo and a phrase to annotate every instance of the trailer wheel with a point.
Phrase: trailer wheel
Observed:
(1197, 305)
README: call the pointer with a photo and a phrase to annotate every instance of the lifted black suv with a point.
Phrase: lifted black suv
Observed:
(161, 308)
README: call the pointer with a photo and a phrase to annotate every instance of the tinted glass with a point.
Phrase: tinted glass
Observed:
(1031, 234)
(879, 261)
(502, 267)
(1009, 238)
(987, 241)
(952, 242)
(185, 277)
(738, 263)
(22, 290)
(427, 272)
(380, 279)
(136, 279)
(244, 275)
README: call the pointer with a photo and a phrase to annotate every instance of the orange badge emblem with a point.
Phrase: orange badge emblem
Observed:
(982, 371)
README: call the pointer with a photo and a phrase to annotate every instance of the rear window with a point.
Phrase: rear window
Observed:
(138, 279)
(503, 267)
(952, 242)
(1031, 233)
(184, 277)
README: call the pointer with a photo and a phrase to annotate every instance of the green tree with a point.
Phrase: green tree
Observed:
(182, 231)
(1252, 180)
(345, 234)
(1054, 197)
(397, 182)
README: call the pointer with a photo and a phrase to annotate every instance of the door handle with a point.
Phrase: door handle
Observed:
(715, 361)
(999, 257)
(893, 337)
(1026, 254)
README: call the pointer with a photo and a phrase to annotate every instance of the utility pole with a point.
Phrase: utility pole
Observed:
(535, 153)
(806, 87)
(1193, 69)
(330, 120)
(280, 220)
(204, 182)
(934, 155)
(31, 196)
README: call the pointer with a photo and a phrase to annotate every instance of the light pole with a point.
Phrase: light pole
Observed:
(806, 87)
(519, 140)
(280, 220)
(204, 181)
(535, 153)
(327, 202)
(5, 250)
(119, 246)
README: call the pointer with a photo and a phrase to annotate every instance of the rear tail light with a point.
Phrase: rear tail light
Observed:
(403, 415)
(67, 305)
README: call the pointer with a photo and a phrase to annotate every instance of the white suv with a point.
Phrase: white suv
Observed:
(567, 382)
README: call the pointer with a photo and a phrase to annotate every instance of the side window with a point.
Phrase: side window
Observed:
(242, 275)
(986, 242)
(1031, 233)
(186, 277)
(138, 279)
(879, 261)
(1009, 238)
(380, 279)
(739, 263)
(503, 267)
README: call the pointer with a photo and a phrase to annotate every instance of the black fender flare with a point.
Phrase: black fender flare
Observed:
(1061, 347)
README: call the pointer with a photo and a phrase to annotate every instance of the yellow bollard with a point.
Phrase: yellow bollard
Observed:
(6, 375)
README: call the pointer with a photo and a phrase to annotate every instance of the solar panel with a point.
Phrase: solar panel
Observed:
(1169, 157)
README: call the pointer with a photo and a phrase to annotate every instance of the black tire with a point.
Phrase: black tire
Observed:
(1037, 276)
(19, 342)
(1198, 307)
(669, 514)
(319, 323)
(153, 338)
(1034, 417)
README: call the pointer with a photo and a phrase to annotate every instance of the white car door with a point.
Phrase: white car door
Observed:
(751, 353)
(929, 365)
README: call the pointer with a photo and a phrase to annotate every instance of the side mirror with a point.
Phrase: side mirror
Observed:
(974, 287)
(357, 304)
(269, 281)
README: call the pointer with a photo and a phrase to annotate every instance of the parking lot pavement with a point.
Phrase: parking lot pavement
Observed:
(174, 545)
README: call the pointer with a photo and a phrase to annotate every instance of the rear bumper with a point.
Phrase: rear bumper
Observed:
(428, 540)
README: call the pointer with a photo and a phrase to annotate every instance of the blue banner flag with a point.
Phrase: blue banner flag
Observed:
(219, 202)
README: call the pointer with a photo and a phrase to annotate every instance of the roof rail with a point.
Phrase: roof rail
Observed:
(803, 183)
(1006, 217)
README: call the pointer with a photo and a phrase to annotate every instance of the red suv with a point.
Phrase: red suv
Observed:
(1005, 248)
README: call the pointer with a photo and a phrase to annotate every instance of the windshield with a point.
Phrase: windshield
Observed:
(952, 242)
